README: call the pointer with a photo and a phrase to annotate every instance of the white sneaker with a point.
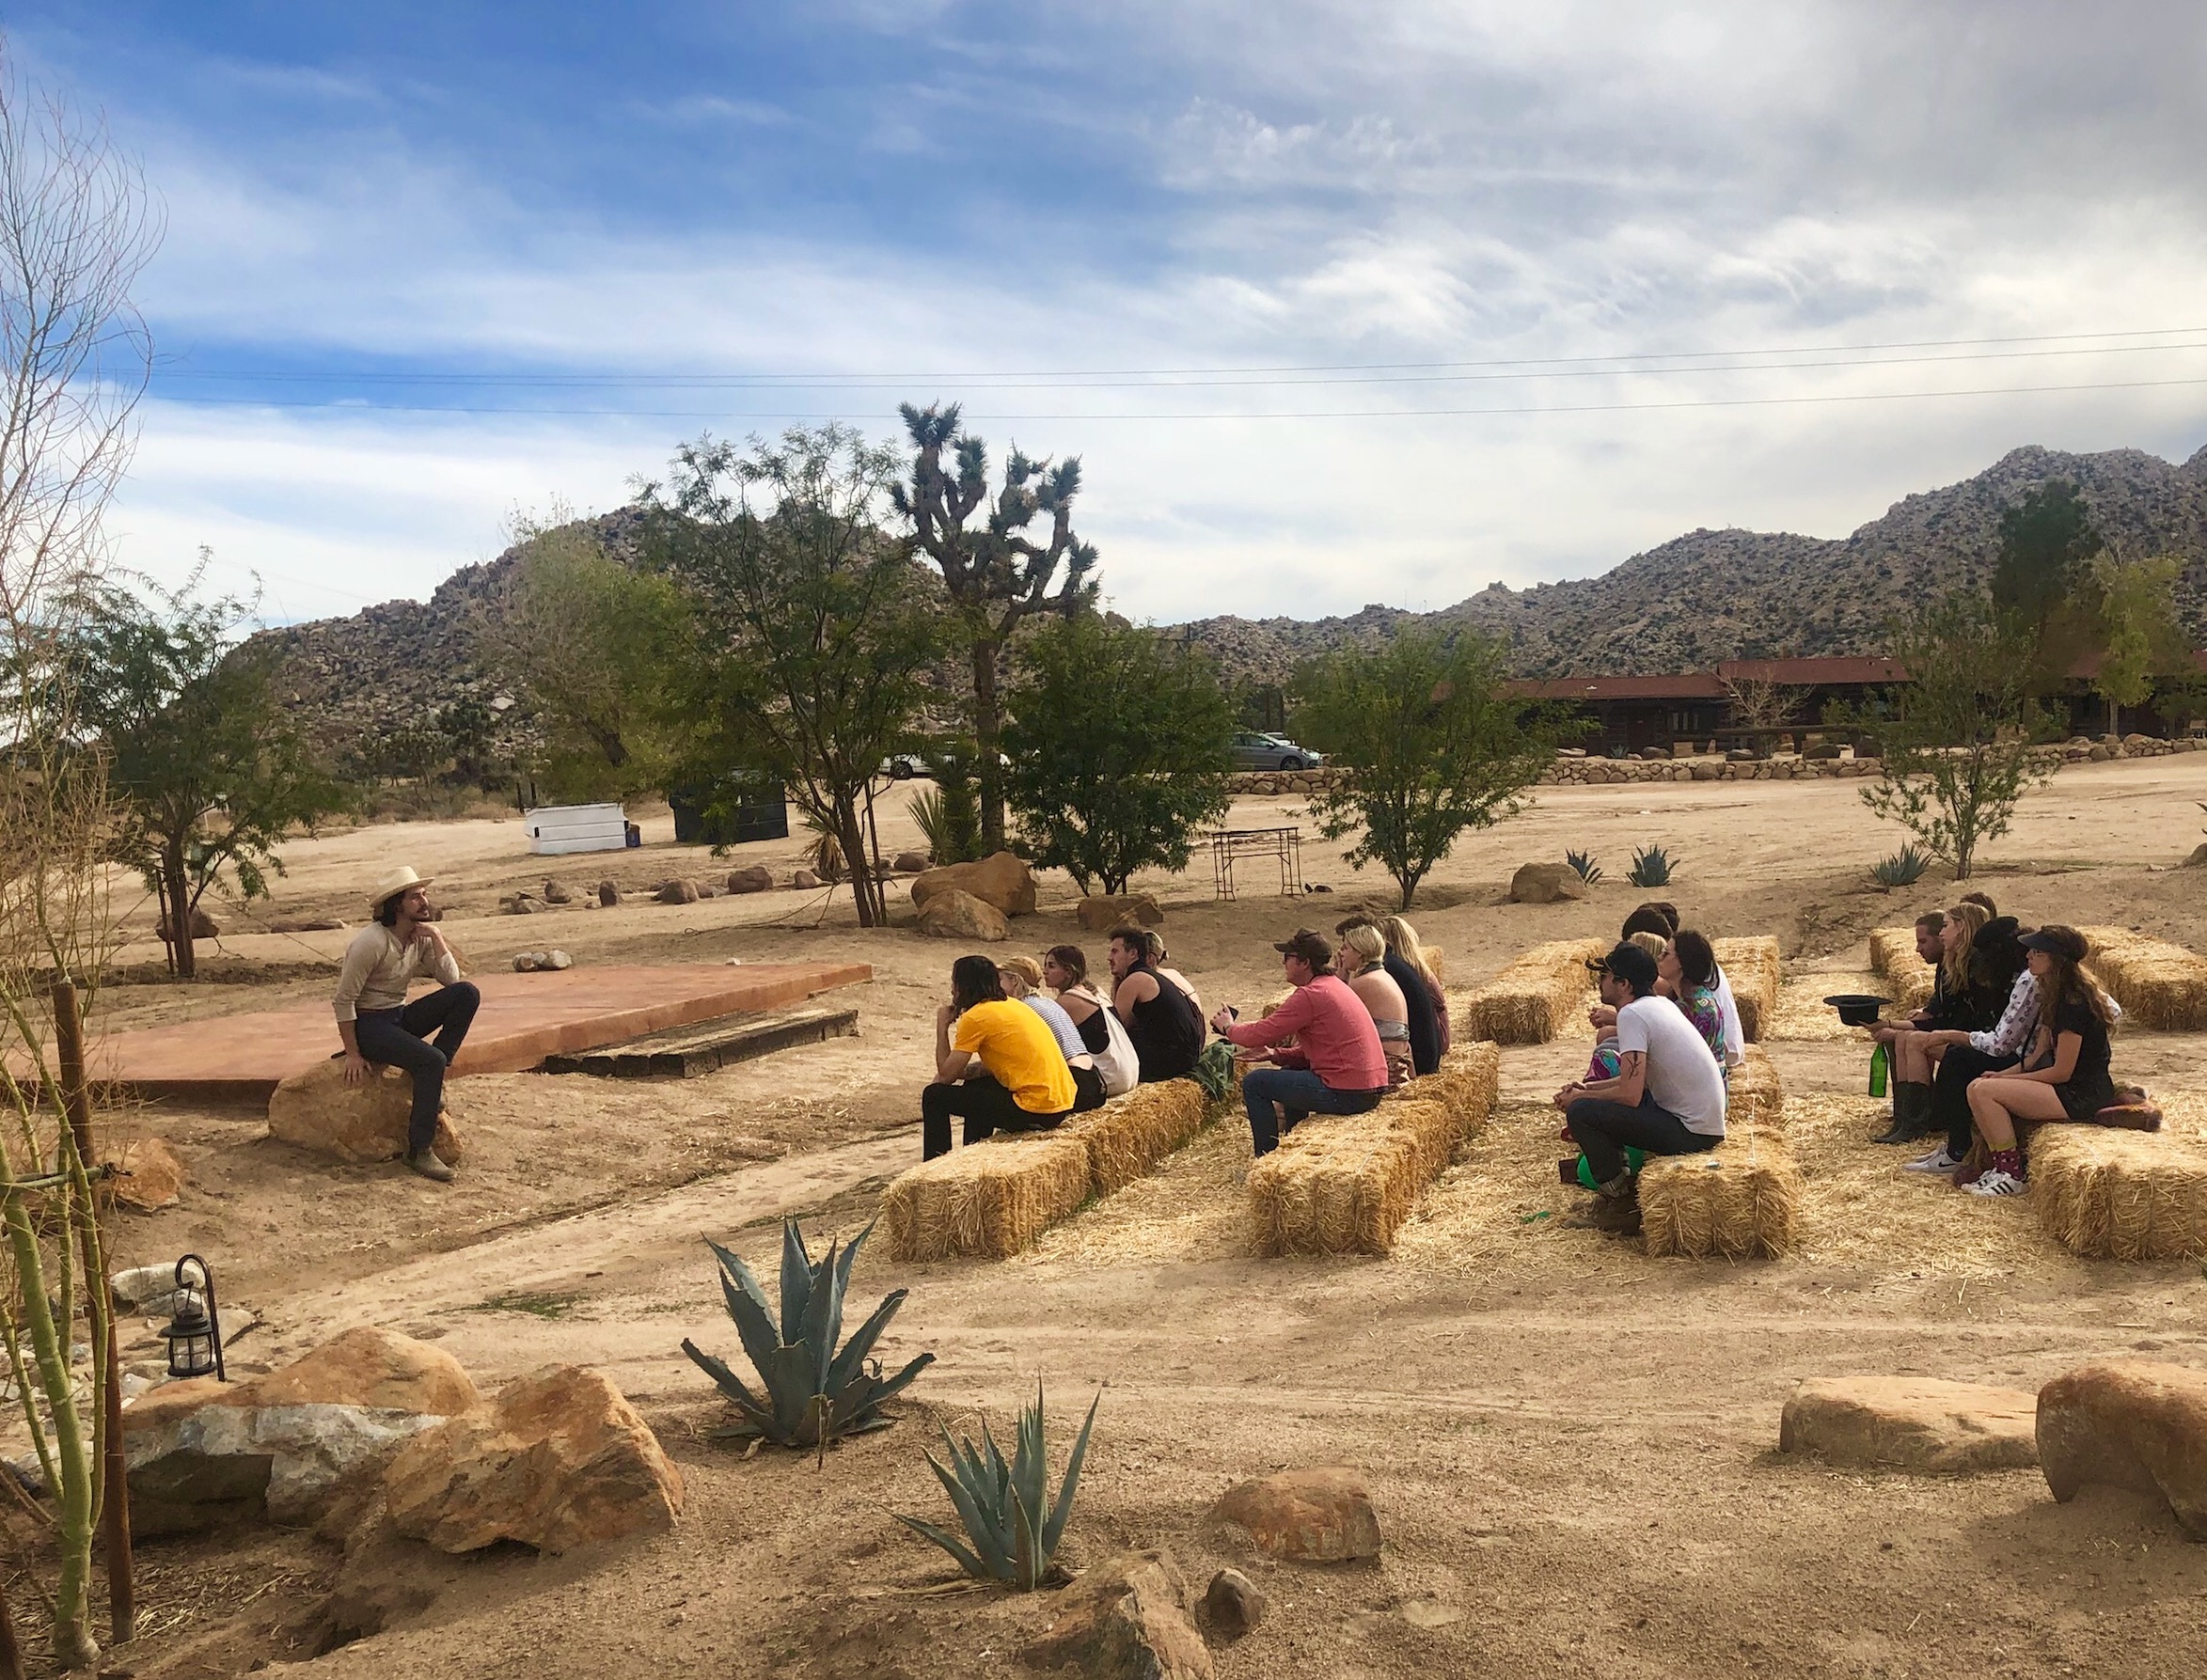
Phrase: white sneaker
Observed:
(1997, 1183)
(1937, 1161)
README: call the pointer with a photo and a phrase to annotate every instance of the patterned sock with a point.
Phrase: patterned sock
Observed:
(2009, 1161)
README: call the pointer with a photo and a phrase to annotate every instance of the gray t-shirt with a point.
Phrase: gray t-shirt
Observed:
(1682, 1076)
(1062, 1027)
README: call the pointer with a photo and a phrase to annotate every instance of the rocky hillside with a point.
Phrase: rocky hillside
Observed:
(1699, 597)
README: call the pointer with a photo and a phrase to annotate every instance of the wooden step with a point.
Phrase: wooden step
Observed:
(685, 1052)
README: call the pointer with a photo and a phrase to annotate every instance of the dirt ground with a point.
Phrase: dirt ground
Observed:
(1571, 1448)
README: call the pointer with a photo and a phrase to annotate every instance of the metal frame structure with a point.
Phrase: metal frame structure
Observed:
(1230, 845)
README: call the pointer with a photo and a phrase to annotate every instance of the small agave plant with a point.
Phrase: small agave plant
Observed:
(814, 1392)
(1652, 866)
(1583, 866)
(1905, 867)
(1000, 1506)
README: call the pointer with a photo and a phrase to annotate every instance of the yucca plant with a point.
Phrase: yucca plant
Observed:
(1652, 866)
(1000, 1506)
(816, 1393)
(1583, 866)
(1905, 867)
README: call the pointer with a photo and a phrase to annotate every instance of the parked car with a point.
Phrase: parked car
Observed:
(903, 767)
(1253, 751)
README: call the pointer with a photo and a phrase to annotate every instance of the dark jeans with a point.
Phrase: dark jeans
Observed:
(1299, 1091)
(1950, 1112)
(987, 1108)
(396, 1037)
(1603, 1129)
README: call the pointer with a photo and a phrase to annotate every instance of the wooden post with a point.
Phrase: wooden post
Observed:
(68, 1046)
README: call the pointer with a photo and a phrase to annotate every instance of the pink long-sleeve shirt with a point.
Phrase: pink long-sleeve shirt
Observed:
(1333, 1034)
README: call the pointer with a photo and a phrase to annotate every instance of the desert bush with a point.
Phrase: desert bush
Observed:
(1652, 866)
(1000, 1506)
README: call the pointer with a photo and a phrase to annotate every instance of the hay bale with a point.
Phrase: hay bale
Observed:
(1755, 967)
(1755, 1096)
(1907, 976)
(2160, 985)
(1533, 998)
(988, 1201)
(1469, 1078)
(1739, 1201)
(2116, 1195)
(1130, 1134)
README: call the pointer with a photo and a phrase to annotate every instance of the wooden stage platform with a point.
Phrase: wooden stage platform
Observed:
(524, 1018)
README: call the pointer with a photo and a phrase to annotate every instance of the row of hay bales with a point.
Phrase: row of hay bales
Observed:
(994, 1199)
(2160, 985)
(1536, 997)
(1754, 970)
(1344, 1183)
(1741, 1201)
(2116, 1195)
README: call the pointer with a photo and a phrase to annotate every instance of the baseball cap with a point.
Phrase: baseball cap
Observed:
(1310, 944)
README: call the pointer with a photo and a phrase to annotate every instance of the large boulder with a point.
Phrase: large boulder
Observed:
(203, 1453)
(608, 894)
(1545, 883)
(1124, 1619)
(755, 879)
(1311, 1517)
(558, 1460)
(147, 1176)
(1002, 880)
(954, 915)
(677, 892)
(1102, 913)
(362, 1123)
(2134, 1423)
(911, 862)
(1912, 1423)
(556, 893)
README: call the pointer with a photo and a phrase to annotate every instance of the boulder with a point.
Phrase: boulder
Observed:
(1101, 914)
(149, 1176)
(527, 962)
(2198, 857)
(203, 1453)
(555, 894)
(1124, 1620)
(558, 1460)
(307, 924)
(912, 863)
(2134, 1423)
(1309, 1517)
(1232, 1604)
(609, 895)
(754, 879)
(1002, 880)
(1919, 1424)
(677, 892)
(955, 915)
(135, 1286)
(203, 927)
(804, 880)
(1545, 883)
(1705, 771)
(523, 903)
(555, 960)
(362, 1123)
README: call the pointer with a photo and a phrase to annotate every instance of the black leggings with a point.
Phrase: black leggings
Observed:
(987, 1108)
(396, 1037)
(1958, 1066)
(1603, 1129)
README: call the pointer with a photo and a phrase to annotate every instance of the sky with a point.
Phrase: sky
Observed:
(1337, 304)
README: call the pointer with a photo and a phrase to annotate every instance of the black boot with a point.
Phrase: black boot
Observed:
(1911, 1113)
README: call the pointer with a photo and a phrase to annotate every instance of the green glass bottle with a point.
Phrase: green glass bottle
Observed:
(1879, 1065)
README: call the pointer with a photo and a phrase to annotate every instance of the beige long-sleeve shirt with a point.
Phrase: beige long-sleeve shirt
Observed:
(377, 970)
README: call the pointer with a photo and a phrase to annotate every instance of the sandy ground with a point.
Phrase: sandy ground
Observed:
(1571, 1448)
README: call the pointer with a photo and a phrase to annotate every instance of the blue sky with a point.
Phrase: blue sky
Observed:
(426, 266)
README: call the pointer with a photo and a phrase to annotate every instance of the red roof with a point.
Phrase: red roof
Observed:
(1690, 685)
(1842, 671)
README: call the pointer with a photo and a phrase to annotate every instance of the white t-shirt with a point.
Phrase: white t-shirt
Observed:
(1682, 1076)
(1735, 1034)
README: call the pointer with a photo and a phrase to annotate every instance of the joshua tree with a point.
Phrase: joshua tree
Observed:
(993, 571)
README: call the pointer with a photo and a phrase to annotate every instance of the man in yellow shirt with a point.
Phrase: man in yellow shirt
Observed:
(996, 1064)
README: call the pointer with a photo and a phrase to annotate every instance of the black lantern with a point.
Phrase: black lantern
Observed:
(195, 1329)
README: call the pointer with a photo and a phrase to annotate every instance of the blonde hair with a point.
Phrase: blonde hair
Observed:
(1403, 941)
(1365, 940)
(1653, 943)
(1954, 967)
(1022, 976)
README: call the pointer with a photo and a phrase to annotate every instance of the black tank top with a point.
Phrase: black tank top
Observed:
(1092, 1031)
(1166, 1030)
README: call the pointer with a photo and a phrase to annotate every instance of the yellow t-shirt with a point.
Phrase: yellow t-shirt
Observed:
(1019, 1052)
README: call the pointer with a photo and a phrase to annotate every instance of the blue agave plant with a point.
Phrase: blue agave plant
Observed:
(1011, 1535)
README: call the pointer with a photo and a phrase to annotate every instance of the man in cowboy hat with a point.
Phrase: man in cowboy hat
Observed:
(378, 1025)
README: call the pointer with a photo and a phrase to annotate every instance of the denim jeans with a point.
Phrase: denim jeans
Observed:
(1299, 1091)
(396, 1038)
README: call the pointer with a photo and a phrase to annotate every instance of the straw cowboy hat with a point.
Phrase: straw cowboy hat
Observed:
(396, 882)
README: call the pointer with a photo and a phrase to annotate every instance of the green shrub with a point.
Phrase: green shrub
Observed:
(1905, 867)
(999, 1505)
(1652, 866)
(1583, 866)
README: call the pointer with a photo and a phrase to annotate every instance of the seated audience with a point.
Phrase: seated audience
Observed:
(1158, 1010)
(1065, 968)
(1966, 995)
(1019, 977)
(1404, 947)
(1659, 917)
(1417, 993)
(1965, 1054)
(1337, 1065)
(1153, 945)
(1687, 972)
(996, 1064)
(2066, 1077)
(1668, 1096)
(1363, 962)
(1914, 1056)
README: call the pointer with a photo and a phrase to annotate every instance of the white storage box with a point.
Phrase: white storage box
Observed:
(556, 829)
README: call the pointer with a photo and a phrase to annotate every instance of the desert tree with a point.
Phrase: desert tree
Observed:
(813, 629)
(2043, 583)
(1428, 740)
(1956, 738)
(2142, 638)
(1118, 742)
(1760, 705)
(76, 228)
(994, 573)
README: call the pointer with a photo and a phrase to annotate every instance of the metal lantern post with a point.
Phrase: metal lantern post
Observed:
(193, 1333)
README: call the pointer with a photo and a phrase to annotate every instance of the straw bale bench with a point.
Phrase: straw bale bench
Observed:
(1756, 1095)
(1130, 1134)
(1907, 976)
(1534, 998)
(1740, 1201)
(2108, 1194)
(1344, 1184)
(1755, 969)
(2160, 985)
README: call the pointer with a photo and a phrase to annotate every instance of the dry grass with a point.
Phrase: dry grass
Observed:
(1756, 1096)
(2160, 985)
(1803, 1016)
(1741, 1201)
(1191, 1208)
(2115, 1195)
(1533, 998)
(1907, 976)
(1130, 1134)
(988, 1201)
(1755, 967)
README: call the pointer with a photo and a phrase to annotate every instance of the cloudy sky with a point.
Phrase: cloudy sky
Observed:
(1337, 303)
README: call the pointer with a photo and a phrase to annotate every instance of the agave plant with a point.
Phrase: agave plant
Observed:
(1905, 867)
(1652, 866)
(1583, 866)
(816, 1393)
(999, 1505)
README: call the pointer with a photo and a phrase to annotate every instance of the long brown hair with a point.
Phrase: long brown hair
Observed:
(2068, 981)
(1403, 941)
(1954, 965)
